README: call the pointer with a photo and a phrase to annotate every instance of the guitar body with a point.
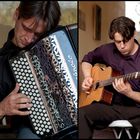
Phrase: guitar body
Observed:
(98, 94)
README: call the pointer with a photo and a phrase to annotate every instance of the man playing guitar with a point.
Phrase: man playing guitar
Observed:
(123, 55)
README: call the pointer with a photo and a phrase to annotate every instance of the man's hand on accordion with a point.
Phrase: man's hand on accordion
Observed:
(14, 103)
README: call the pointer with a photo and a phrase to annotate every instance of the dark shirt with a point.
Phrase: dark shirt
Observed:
(7, 81)
(109, 55)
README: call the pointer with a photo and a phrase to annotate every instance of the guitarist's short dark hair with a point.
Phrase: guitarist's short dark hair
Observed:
(123, 25)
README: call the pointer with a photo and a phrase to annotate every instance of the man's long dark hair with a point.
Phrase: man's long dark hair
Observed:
(124, 26)
(49, 11)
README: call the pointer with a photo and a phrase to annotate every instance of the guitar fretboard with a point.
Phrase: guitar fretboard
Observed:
(134, 75)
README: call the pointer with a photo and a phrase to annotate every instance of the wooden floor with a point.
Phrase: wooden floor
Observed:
(103, 134)
(108, 134)
(5, 129)
(98, 134)
(7, 135)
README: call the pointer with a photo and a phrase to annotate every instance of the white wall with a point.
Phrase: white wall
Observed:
(109, 10)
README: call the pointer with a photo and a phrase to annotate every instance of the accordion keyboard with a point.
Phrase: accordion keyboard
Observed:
(47, 73)
(39, 115)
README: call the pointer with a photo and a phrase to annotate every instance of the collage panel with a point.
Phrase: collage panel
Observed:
(39, 70)
(108, 62)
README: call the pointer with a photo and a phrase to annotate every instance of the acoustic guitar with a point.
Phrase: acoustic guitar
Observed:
(102, 77)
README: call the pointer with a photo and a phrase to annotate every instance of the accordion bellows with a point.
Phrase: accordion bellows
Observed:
(47, 73)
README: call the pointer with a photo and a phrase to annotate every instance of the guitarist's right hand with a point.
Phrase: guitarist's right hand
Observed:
(87, 83)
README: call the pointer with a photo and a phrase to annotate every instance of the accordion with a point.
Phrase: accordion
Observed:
(47, 73)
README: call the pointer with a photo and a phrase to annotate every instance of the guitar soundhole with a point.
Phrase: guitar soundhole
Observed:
(95, 85)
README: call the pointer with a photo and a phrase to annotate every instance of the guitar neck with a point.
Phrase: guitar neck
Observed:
(126, 77)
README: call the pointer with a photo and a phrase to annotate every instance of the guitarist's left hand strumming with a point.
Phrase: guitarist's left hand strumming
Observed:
(122, 86)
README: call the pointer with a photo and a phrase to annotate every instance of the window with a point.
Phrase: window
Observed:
(132, 10)
(68, 10)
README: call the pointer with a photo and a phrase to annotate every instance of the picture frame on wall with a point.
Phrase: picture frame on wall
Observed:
(96, 22)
